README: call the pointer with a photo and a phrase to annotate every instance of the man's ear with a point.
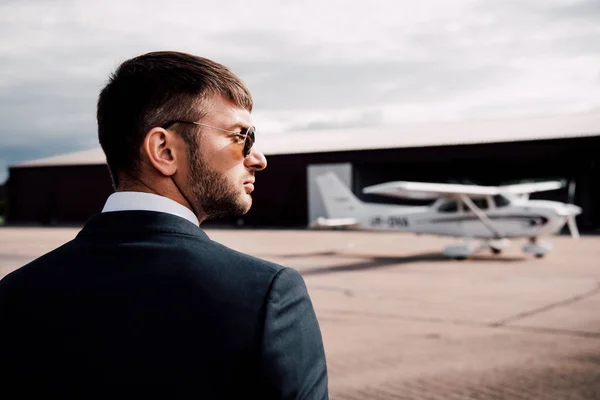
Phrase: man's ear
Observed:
(160, 146)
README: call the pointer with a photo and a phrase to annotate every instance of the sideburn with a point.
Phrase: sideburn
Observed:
(210, 190)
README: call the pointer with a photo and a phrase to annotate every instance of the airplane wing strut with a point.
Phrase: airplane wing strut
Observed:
(481, 215)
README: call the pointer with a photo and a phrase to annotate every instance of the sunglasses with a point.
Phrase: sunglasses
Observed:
(247, 134)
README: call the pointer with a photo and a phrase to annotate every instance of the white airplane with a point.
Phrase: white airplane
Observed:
(492, 214)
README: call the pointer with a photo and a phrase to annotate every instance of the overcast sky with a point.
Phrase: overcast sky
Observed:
(311, 64)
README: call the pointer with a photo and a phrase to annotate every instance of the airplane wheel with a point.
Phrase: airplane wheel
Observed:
(539, 255)
(496, 251)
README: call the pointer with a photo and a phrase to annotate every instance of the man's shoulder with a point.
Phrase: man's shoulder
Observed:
(223, 272)
(191, 257)
(225, 254)
(39, 266)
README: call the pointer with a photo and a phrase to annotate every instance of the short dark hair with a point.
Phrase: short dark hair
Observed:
(151, 89)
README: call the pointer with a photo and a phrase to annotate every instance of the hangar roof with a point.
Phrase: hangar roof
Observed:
(392, 136)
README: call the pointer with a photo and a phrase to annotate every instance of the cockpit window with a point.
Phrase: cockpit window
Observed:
(480, 203)
(448, 206)
(501, 201)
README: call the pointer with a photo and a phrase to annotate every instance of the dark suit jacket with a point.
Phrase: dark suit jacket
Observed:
(144, 303)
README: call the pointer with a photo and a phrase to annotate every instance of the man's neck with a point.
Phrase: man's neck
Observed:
(129, 184)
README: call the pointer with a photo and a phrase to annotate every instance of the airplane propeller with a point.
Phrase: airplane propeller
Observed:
(571, 192)
(574, 210)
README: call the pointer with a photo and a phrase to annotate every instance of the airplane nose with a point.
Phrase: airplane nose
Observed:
(569, 210)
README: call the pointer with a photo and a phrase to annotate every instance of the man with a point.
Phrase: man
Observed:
(142, 301)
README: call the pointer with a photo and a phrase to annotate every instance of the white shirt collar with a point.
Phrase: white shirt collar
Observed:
(141, 201)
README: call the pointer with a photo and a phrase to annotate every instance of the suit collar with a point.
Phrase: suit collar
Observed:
(119, 223)
(141, 201)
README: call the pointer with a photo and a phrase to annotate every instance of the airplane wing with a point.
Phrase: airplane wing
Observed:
(424, 190)
(525, 188)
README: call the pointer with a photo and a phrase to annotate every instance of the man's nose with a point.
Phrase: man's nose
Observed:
(256, 160)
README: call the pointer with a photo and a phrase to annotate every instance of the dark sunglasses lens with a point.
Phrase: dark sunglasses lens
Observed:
(249, 142)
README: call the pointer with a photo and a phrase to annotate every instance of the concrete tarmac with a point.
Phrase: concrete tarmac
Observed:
(400, 321)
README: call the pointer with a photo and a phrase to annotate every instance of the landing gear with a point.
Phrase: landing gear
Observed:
(497, 245)
(538, 249)
(461, 251)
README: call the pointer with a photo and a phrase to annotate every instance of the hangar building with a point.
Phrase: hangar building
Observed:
(68, 189)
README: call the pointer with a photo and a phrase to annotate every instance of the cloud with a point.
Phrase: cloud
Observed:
(309, 64)
(45, 111)
(302, 86)
(367, 118)
(579, 9)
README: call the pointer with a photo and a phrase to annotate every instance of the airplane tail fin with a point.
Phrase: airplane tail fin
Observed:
(339, 201)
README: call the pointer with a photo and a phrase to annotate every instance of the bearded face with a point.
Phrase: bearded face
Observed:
(219, 169)
(214, 192)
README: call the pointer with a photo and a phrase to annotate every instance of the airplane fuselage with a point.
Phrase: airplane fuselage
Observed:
(527, 219)
(479, 214)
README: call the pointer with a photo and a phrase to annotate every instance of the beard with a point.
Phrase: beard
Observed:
(212, 192)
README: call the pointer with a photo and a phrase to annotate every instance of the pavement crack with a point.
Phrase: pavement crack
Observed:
(438, 320)
(548, 307)
(344, 291)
